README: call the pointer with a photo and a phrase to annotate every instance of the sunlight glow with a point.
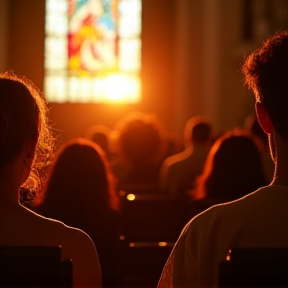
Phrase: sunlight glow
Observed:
(116, 87)
(121, 88)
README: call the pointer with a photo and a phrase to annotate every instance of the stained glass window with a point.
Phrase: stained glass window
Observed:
(93, 51)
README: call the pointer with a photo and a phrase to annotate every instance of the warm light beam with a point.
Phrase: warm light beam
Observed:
(116, 87)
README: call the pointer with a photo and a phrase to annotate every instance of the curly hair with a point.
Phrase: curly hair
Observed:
(23, 114)
(265, 71)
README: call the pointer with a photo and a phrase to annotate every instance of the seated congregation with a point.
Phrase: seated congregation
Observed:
(114, 203)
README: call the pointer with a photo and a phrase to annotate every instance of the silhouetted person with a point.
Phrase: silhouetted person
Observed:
(174, 145)
(100, 134)
(80, 192)
(232, 170)
(260, 218)
(26, 148)
(140, 143)
(179, 171)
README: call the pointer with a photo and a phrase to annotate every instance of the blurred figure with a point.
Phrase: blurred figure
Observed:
(100, 134)
(26, 149)
(80, 192)
(174, 145)
(140, 147)
(232, 170)
(252, 125)
(179, 171)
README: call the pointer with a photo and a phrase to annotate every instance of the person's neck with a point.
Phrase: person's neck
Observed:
(281, 164)
(280, 176)
(9, 190)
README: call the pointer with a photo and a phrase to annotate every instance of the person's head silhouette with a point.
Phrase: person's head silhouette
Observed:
(233, 168)
(265, 72)
(79, 177)
(26, 141)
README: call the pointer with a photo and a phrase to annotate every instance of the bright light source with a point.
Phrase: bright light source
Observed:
(162, 244)
(116, 87)
(131, 197)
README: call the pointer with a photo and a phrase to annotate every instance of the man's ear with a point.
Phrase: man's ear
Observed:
(263, 118)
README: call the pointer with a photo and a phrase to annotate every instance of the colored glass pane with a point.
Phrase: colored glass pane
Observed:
(90, 46)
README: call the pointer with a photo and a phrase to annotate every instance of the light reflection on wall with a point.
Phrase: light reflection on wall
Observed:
(93, 51)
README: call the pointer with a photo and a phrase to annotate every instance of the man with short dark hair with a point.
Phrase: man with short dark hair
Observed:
(179, 171)
(259, 219)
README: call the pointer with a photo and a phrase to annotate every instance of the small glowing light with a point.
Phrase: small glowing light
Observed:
(162, 244)
(132, 244)
(122, 237)
(228, 255)
(131, 197)
(116, 87)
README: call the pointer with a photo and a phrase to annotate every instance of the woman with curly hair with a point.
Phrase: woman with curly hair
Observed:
(26, 149)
